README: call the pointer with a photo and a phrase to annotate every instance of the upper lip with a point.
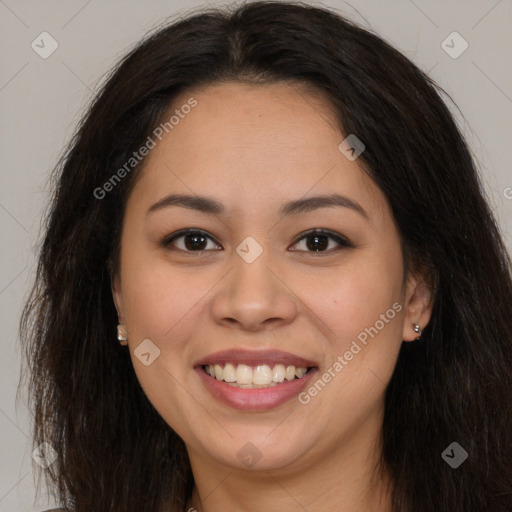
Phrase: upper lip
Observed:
(253, 358)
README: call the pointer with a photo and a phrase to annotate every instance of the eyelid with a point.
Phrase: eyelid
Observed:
(184, 232)
(338, 238)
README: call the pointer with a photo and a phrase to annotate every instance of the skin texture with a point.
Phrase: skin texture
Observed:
(254, 147)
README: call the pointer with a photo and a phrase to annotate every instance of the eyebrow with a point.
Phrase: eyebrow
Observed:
(209, 205)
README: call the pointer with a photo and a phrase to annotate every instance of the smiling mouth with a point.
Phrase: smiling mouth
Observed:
(254, 377)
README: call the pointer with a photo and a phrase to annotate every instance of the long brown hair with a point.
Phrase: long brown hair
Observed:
(114, 452)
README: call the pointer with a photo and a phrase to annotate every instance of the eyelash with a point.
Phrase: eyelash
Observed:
(342, 241)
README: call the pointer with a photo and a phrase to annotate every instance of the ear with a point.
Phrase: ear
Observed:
(419, 295)
(115, 285)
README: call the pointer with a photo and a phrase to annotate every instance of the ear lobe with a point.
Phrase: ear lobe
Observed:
(419, 298)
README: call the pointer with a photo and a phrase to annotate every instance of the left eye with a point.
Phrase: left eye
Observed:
(316, 240)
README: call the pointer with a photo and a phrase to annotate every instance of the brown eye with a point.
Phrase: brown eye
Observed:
(318, 240)
(190, 241)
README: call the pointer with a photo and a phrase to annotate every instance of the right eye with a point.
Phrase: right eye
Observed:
(189, 240)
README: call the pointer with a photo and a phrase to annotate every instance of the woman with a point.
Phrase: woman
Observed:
(270, 281)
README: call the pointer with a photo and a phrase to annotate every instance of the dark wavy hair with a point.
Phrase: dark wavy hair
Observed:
(114, 451)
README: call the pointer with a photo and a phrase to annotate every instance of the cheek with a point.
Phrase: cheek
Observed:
(159, 304)
(160, 300)
(362, 308)
(351, 299)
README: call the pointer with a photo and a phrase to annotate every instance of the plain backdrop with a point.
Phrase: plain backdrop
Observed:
(41, 100)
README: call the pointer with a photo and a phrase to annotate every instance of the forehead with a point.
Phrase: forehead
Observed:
(252, 142)
(276, 117)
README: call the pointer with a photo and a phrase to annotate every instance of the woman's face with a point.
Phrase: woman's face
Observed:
(253, 292)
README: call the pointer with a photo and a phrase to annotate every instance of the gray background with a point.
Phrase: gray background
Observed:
(42, 99)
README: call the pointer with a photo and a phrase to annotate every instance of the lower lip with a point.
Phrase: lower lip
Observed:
(257, 399)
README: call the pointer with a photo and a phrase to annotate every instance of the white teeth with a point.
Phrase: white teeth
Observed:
(290, 372)
(229, 373)
(261, 377)
(243, 374)
(300, 372)
(278, 373)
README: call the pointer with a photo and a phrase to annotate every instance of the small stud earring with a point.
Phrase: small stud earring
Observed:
(417, 329)
(121, 335)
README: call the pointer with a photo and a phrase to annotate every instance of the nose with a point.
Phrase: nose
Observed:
(254, 296)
